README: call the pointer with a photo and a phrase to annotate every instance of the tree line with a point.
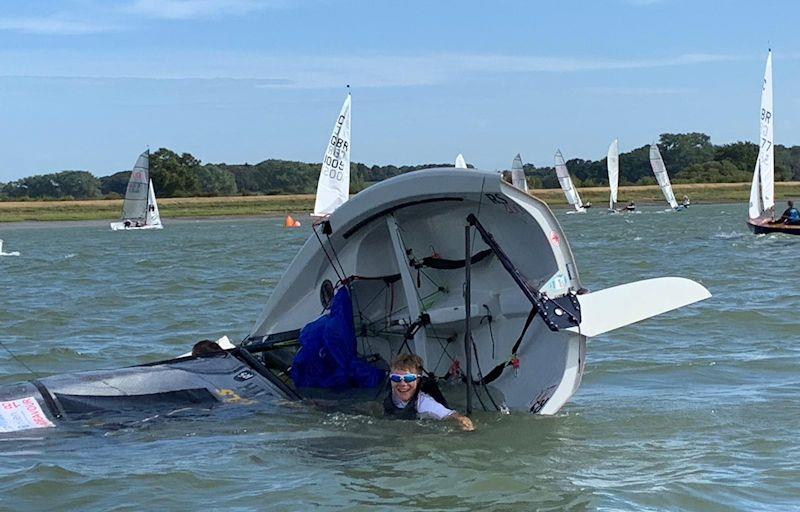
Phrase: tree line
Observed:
(689, 157)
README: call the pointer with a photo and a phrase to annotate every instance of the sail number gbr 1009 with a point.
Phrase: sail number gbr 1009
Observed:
(335, 157)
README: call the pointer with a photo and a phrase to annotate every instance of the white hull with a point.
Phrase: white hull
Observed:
(383, 237)
(120, 226)
(397, 245)
(428, 209)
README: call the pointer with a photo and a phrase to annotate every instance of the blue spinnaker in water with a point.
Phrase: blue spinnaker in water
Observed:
(327, 357)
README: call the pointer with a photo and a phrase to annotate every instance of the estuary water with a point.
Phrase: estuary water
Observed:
(698, 409)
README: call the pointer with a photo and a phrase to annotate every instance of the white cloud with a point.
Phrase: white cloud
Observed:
(636, 91)
(53, 26)
(304, 71)
(191, 9)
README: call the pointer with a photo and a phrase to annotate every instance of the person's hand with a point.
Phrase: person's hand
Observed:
(464, 422)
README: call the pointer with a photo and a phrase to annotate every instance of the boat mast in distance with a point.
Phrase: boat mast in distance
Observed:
(613, 173)
(333, 188)
(566, 183)
(660, 171)
(518, 174)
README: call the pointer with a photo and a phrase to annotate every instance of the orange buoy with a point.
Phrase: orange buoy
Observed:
(290, 222)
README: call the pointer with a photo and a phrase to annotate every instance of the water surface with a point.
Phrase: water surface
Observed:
(693, 410)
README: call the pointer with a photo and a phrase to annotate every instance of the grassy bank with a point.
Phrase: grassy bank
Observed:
(170, 208)
(17, 211)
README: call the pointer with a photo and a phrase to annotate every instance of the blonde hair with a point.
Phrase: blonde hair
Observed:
(408, 362)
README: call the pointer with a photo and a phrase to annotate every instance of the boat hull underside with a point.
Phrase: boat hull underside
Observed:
(387, 297)
(137, 392)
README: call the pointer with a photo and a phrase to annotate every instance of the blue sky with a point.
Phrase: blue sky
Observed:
(88, 84)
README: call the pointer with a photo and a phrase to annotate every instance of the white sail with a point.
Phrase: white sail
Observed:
(756, 206)
(153, 217)
(518, 174)
(460, 162)
(613, 172)
(135, 205)
(566, 182)
(333, 188)
(660, 170)
(766, 153)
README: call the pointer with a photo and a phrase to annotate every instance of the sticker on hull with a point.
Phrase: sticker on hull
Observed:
(22, 414)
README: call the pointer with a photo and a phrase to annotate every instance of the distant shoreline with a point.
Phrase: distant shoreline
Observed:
(193, 208)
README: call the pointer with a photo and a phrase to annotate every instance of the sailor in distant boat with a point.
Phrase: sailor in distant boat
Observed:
(408, 400)
(631, 206)
(686, 201)
(791, 215)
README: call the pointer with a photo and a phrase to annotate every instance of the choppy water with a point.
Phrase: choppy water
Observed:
(698, 409)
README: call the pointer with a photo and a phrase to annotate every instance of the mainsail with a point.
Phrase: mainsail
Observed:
(566, 182)
(460, 162)
(135, 205)
(660, 170)
(613, 172)
(333, 188)
(518, 174)
(762, 191)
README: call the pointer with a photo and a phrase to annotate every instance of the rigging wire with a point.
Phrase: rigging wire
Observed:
(330, 260)
(18, 360)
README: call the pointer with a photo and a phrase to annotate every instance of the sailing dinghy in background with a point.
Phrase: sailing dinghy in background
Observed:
(460, 162)
(333, 187)
(139, 210)
(660, 171)
(612, 163)
(518, 174)
(761, 213)
(566, 184)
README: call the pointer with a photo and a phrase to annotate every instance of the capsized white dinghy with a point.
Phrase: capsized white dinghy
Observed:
(409, 249)
(139, 210)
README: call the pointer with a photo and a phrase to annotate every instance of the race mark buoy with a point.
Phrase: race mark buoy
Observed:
(290, 222)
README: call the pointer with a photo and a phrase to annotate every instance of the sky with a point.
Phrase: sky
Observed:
(89, 84)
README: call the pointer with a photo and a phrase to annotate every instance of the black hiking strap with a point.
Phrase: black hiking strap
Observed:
(498, 370)
(445, 264)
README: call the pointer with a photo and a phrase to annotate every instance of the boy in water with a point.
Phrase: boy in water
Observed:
(407, 400)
